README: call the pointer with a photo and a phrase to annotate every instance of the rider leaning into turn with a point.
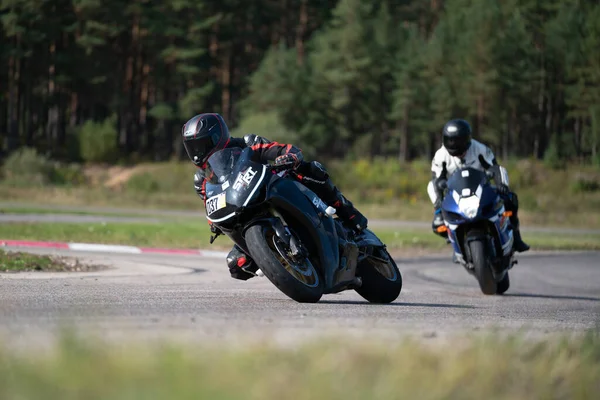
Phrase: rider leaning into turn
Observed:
(460, 150)
(205, 134)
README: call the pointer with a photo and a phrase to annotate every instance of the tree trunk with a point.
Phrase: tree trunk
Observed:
(73, 110)
(134, 94)
(14, 75)
(537, 150)
(144, 95)
(28, 114)
(52, 123)
(404, 138)
(126, 113)
(226, 72)
(301, 32)
(548, 127)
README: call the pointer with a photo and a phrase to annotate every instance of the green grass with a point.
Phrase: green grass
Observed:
(40, 210)
(381, 188)
(197, 235)
(21, 262)
(471, 368)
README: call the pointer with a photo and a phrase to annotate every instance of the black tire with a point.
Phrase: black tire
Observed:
(268, 260)
(377, 288)
(483, 270)
(503, 285)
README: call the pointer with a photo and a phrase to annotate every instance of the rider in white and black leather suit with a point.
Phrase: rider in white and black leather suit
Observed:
(460, 150)
(205, 134)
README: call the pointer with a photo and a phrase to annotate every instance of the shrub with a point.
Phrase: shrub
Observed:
(586, 183)
(143, 183)
(172, 177)
(381, 180)
(28, 167)
(68, 174)
(98, 141)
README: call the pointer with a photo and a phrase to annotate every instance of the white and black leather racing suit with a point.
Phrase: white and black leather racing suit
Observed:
(481, 157)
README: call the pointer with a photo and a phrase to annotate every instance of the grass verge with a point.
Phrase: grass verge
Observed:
(487, 367)
(197, 235)
(45, 211)
(23, 262)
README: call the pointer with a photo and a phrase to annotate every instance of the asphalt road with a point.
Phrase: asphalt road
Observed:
(193, 299)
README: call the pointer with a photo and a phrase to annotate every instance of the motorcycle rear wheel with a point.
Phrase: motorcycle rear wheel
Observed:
(503, 285)
(381, 278)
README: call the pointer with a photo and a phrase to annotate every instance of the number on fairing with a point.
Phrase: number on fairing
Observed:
(215, 203)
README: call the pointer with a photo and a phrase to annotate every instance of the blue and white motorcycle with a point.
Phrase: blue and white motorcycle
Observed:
(479, 229)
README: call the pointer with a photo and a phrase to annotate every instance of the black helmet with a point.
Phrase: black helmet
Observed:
(457, 137)
(204, 135)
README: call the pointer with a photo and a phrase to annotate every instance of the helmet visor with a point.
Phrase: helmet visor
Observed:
(456, 145)
(199, 149)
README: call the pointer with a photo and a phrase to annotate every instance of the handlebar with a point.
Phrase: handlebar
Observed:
(281, 167)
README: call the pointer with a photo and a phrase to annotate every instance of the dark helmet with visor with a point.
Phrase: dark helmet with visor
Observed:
(204, 135)
(457, 137)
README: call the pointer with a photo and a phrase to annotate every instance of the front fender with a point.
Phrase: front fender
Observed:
(296, 201)
(272, 222)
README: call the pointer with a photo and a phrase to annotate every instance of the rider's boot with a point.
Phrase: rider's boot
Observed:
(511, 202)
(519, 245)
(346, 211)
(315, 177)
(455, 258)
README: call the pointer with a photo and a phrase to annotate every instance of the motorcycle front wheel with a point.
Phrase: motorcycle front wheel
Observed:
(298, 280)
(481, 265)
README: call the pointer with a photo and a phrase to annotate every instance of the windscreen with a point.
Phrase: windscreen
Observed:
(467, 178)
(221, 164)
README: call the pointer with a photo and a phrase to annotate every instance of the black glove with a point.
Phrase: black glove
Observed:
(199, 185)
(500, 186)
(289, 159)
(441, 184)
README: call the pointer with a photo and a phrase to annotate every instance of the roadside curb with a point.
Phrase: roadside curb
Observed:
(108, 248)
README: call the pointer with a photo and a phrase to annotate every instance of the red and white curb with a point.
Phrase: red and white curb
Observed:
(108, 248)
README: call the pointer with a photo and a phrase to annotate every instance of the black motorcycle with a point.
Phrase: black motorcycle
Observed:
(291, 233)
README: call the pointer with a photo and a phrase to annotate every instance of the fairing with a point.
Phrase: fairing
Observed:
(471, 200)
(236, 182)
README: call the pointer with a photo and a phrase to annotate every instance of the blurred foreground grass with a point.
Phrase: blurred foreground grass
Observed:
(486, 367)
(197, 235)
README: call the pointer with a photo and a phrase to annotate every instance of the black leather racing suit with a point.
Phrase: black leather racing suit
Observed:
(314, 176)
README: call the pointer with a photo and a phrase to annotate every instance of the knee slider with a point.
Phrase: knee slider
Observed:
(236, 258)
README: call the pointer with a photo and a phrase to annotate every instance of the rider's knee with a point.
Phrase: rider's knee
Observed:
(511, 202)
(315, 170)
(236, 258)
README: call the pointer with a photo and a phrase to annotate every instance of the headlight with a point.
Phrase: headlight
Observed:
(469, 206)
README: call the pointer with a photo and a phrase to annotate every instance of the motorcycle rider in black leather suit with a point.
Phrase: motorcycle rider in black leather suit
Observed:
(205, 134)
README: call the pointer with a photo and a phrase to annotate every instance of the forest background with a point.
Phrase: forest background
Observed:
(93, 94)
